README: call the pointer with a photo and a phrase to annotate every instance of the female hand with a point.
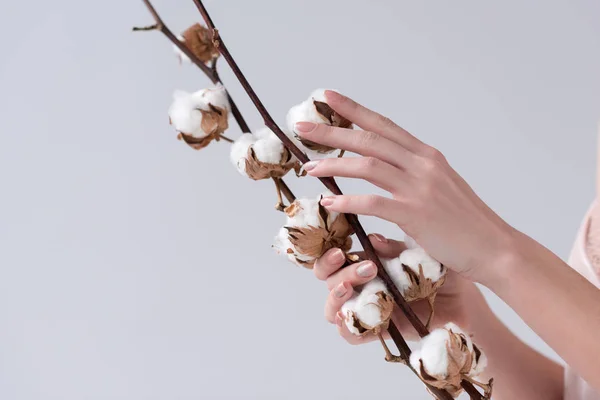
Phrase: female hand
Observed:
(430, 201)
(449, 305)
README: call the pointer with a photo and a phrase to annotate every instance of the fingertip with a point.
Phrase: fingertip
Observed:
(386, 247)
(333, 97)
(330, 262)
(378, 238)
(339, 319)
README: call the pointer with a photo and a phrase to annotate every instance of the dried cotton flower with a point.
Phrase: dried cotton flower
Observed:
(448, 355)
(261, 155)
(416, 274)
(314, 109)
(310, 231)
(198, 40)
(369, 309)
(200, 117)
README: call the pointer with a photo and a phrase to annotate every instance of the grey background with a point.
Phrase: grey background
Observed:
(132, 267)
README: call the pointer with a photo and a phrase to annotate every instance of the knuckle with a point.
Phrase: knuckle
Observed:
(385, 122)
(368, 138)
(429, 167)
(370, 163)
(373, 201)
(434, 154)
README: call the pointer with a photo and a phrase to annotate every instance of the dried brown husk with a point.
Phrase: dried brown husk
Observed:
(331, 117)
(421, 287)
(314, 241)
(460, 361)
(258, 170)
(214, 123)
(385, 302)
(198, 40)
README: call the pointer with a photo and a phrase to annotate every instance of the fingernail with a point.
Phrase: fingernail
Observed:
(332, 95)
(305, 127)
(310, 165)
(340, 290)
(337, 256)
(366, 269)
(327, 201)
(379, 238)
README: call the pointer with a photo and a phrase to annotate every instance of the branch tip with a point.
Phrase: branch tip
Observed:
(155, 27)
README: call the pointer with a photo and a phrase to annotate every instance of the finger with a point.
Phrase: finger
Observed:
(336, 299)
(371, 121)
(327, 264)
(372, 205)
(355, 274)
(371, 169)
(385, 247)
(365, 143)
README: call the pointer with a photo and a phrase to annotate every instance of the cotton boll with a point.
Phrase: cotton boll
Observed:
(216, 96)
(198, 41)
(394, 269)
(369, 309)
(239, 150)
(311, 231)
(416, 274)
(418, 257)
(200, 117)
(447, 356)
(261, 156)
(184, 114)
(268, 147)
(304, 213)
(283, 246)
(433, 353)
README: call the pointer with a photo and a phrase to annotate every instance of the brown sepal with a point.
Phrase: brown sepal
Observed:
(332, 117)
(258, 170)
(420, 287)
(198, 40)
(214, 123)
(314, 241)
(460, 360)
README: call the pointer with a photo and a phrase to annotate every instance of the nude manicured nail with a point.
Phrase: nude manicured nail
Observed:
(337, 256)
(366, 270)
(310, 165)
(332, 95)
(340, 290)
(327, 201)
(379, 238)
(305, 127)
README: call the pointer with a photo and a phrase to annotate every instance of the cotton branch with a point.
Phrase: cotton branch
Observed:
(212, 74)
(331, 184)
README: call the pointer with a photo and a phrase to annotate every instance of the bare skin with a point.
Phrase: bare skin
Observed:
(434, 205)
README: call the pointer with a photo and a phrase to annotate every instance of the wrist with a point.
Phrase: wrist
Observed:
(502, 263)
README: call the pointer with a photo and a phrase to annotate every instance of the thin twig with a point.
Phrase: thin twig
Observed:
(331, 185)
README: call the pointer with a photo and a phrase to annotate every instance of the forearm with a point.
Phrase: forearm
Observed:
(519, 372)
(561, 306)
